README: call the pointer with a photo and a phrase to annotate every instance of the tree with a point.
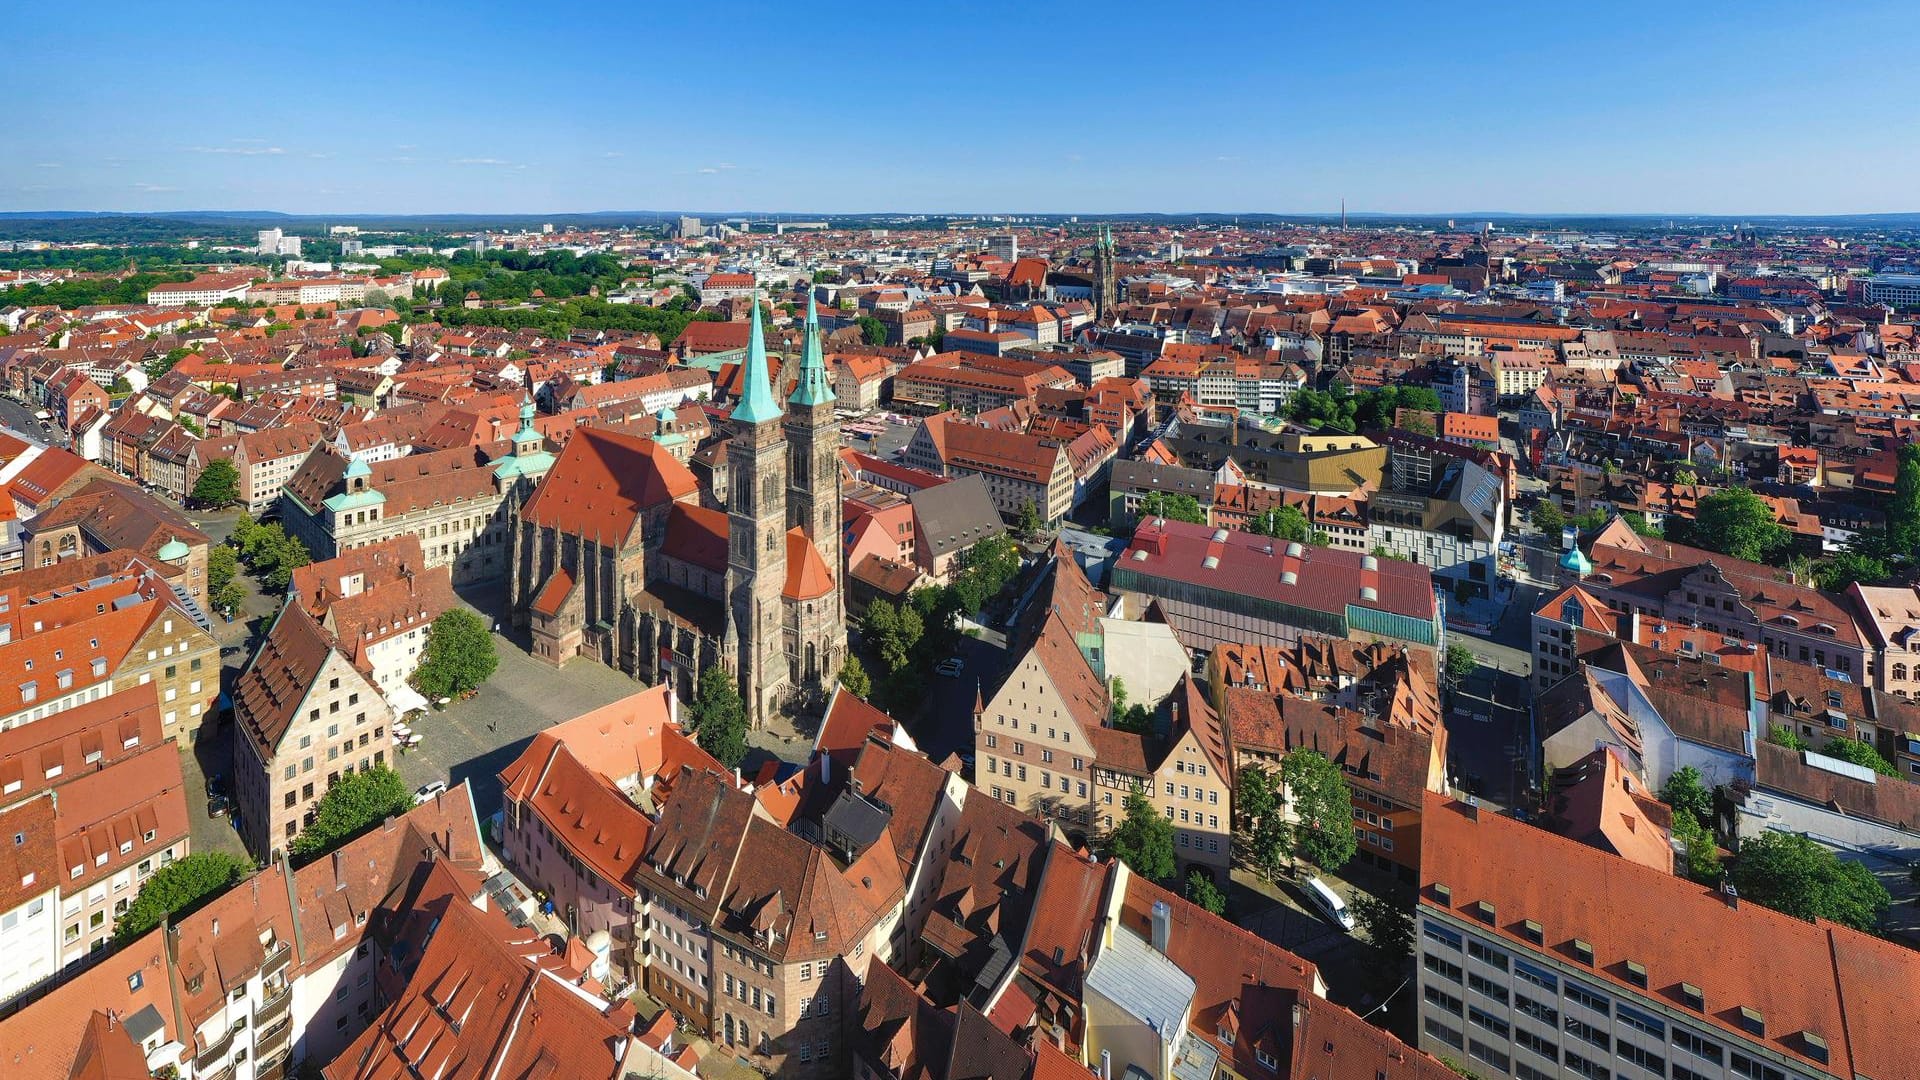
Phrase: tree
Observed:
(1793, 874)
(1253, 796)
(223, 567)
(1835, 574)
(1859, 753)
(459, 655)
(1547, 517)
(1782, 735)
(1174, 506)
(1270, 846)
(176, 887)
(192, 426)
(356, 802)
(1685, 476)
(872, 330)
(1323, 805)
(1203, 892)
(1638, 523)
(1286, 523)
(718, 717)
(1736, 522)
(1029, 522)
(1700, 854)
(1117, 695)
(1144, 840)
(893, 631)
(1387, 922)
(1461, 662)
(219, 484)
(1903, 514)
(1688, 795)
(853, 676)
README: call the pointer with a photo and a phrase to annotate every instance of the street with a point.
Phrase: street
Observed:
(18, 420)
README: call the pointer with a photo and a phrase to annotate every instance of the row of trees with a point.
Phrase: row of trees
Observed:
(910, 638)
(223, 587)
(1340, 409)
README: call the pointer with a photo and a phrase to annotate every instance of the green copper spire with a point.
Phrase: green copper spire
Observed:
(756, 404)
(812, 388)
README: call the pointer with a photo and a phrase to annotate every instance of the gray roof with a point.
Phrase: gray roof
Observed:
(1131, 974)
(1132, 475)
(956, 515)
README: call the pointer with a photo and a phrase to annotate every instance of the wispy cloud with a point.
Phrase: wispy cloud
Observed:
(613, 153)
(1227, 157)
(153, 187)
(46, 164)
(480, 161)
(723, 166)
(249, 151)
(406, 146)
(328, 154)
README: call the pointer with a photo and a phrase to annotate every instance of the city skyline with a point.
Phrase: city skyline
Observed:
(1418, 112)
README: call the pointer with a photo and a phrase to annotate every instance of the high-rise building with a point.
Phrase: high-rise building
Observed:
(1004, 246)
(686, 227)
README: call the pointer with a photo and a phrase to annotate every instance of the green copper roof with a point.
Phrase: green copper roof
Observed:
(812, 387)
(173, 550)
(756, 405)
(1575, 561)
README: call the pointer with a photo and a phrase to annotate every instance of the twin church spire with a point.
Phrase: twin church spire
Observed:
(757, 404)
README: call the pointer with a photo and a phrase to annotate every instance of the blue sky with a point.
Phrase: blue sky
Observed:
(555, 107)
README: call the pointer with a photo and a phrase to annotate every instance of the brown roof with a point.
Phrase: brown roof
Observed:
(603, 481)
(113, 727)
(269, 692)
(1849, 988)
(103, 819)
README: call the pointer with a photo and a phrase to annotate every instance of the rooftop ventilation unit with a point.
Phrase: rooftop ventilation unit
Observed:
(1211, 562)
(1294, 550)
(1288, 577)
(1368, 562)
(1369, 593)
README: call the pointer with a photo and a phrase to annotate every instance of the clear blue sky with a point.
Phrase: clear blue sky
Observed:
(553, 107)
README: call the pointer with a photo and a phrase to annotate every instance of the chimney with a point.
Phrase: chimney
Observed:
(1162, 925)
(1730, 894)
(1633, 627)
(1106, 1065)
(826, 768)
(1472, 808)
(673, 707)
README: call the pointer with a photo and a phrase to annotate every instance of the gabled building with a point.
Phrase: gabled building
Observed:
(378, 602)
(304, 715)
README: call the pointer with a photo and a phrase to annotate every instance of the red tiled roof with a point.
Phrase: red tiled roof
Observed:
(1852, 989)
(807, 575)
(603, 482)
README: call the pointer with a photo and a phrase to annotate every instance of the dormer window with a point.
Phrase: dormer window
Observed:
(1265, 1059)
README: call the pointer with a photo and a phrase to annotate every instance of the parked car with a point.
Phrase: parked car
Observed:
(1329, 903)
(428, 790)
(950, 667)
(219, 806)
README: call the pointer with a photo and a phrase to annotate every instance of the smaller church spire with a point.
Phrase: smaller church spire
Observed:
(757, 404)
(812, 387)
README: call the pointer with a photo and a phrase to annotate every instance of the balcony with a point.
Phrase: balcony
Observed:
(274, 1041)
(273, 1006)
(216, 1054)
(277, 960)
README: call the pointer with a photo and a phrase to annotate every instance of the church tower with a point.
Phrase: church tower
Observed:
(813, 506)
(756, 535)
(1105, 287)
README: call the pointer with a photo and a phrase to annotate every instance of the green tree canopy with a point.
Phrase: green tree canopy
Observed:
(1144, 840)
(1322, 803)
(853, 676)
(872, 330)
(1547, 516)
(1739, 523)
(1687, 793)
(1842, 570)
(1254, 796)
(218, 485)
(1793, 874)
(459, 655)
(177, 887)
(1700, 854)
(355, 803)
(718, 717)
(1286, 523)
(893, 632)
(1903, 513)
(1860, 753)
(1461, 662)
(1175, 506)
(1782, 735)
(1204, 893)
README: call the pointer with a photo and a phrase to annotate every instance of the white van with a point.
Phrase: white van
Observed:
(1329, 903)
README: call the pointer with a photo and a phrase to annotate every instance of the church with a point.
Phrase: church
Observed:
(614, 556)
